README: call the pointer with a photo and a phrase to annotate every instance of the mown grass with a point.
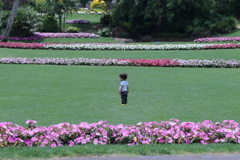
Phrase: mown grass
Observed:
(116, 150)
(54, 94)
(226, 54)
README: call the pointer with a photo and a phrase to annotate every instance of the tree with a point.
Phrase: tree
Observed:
(10, 21)
(61, 8)
(7, 4)
(143, 17)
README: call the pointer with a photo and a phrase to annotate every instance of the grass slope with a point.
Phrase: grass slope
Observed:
(54, 94)
(190, 54)
(114, 150)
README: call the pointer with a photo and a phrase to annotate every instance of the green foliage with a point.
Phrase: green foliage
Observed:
(105, 32)
(26, 22)
(224, 25)
(3, 19)
(72, 30)
(60, 8)
(143, 17)
(50, 24)
(105, 19)
(124, 35)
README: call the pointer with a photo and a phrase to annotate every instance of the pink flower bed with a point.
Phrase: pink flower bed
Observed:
(22, 45)
(165, 132)
(149, 62)
(223, 46)
(35, 37)
(217, 39)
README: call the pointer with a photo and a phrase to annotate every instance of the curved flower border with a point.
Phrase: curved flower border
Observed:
(217, 39)
(218, 63)
(101, 133)
(39, 35)
(103, 46)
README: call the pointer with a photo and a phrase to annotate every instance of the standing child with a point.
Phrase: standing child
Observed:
(124, 88)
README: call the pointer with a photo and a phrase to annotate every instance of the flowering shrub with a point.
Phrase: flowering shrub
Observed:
(217, 39)
(35, 37)
(124, 62)
(99, 4)
(165, 132)
(67, 35)
(77, 21)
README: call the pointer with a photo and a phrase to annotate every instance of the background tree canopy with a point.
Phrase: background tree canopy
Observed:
(142, 17)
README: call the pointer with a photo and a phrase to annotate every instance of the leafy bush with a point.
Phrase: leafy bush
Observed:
(26, 22)
(105, 32)
(50, 24)
(124, 35)
(105, 19)
(224, 25)
(170, 35)
(72, 30)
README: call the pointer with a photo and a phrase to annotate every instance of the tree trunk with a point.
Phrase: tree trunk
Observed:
(60, 22)
(10, 21)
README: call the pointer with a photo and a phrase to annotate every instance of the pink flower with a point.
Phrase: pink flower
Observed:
(53, 145)
(30, 121)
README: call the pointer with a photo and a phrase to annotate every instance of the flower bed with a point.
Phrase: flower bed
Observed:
(117, 46)
(223, 46)
(77, 21)
(218, 63)
(22, 45)
(126, 46)
(217, 39)
(125, 62)
(165, 132)
(91, 12)
(67, 35)
(35, 37)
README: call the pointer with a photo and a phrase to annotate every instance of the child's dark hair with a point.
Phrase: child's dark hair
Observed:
(123, 76)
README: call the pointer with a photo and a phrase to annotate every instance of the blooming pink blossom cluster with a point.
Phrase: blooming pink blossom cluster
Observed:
(217, 39)
(22, 45)
(67, 35)
(223, 46)
(35, 37)
(165, 132)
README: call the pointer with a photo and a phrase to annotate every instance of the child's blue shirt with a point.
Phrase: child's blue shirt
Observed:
(125, 85)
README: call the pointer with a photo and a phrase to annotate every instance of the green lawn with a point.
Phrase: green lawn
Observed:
(116, 150)
(89, 17)
(226, 54)
(55, 94)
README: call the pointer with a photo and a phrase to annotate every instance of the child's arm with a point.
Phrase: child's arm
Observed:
(128, 88)
(120, 90)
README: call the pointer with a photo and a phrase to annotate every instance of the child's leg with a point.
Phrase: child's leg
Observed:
(122, 97)
(126, 98)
